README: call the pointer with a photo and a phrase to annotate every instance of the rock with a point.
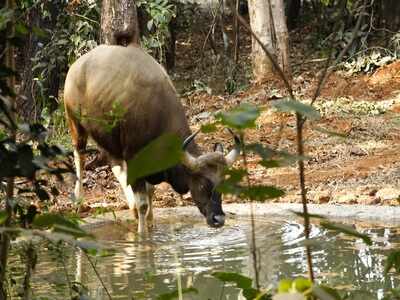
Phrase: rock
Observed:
(373, 192)
(323, 197)
(348, 198)
(368, 200)
(356, 151)
(388, 194)
(202, 116)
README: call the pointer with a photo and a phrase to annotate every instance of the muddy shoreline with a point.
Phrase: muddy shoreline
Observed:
(378, 215)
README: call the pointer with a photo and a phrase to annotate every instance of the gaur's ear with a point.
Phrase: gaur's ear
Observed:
(218, 147)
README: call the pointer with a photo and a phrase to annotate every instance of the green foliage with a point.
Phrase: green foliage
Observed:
(297, 107)
(302, 288)
(72, 34)
(242, 117)
(160, 14)
(342, 228)
(232, 185)
(393, 261)
(298, 285)
(60, 224)
(244, 283)
(5, 17)
(160, 154)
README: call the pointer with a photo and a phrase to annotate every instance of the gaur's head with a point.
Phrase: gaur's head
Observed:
(206, 172)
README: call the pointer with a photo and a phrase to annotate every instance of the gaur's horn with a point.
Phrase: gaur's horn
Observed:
(188, 159)
(232, 156)
(189, 139)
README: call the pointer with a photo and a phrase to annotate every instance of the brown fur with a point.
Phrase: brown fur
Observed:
(140, 86)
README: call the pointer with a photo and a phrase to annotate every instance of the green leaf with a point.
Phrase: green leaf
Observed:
(297, 107)
(230, 184)
(160, 154)
(59, 224)
(302, 215)
(261, 192)
(20, 28)
(284, 285)
(241, 117)
(39, 32)
(347, 230)
(242, 282)
(325, 293)
(393, 261)
(209, 128)
(264, 152)
(93, 248)
(3, 217)
(76, 231)
(301, 284)
(174, 294)
(270, 163)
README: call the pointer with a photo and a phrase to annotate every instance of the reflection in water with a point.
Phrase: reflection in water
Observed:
(147, 267)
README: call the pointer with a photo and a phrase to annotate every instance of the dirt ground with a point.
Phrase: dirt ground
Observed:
(362, 168)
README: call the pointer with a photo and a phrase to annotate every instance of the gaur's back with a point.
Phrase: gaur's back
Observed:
(128, 96)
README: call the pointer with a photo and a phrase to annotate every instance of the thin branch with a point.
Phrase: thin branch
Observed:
(237, 40)
(29, 265)
(86, 18)
(97, 274)
(61, 256)
(253, 248)
(213, 23)
(269, 54)
(222, 291)
(304, 201)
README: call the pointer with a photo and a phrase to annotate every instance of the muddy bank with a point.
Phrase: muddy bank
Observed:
(382, 215)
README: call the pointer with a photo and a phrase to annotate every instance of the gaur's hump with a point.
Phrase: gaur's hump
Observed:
(132, 61)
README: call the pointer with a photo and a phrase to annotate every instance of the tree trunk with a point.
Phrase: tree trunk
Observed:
(261, 24)
(292, 12)
(170, 45)
(4, 237)
(119, 22)
(27, 108)
(52, 83)
(281, 34)
(390, 14)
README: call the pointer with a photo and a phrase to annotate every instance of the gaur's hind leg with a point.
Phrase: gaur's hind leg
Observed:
(143, 202)
(79, 141)
(120, 171)
(138, 196)
(150, 192)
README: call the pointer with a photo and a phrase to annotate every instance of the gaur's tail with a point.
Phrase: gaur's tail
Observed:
(126, 38)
